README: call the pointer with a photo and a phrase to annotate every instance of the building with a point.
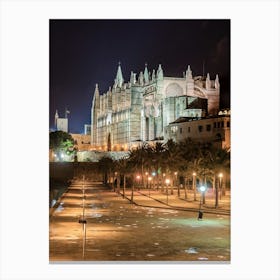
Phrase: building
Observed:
(87, 129)
(140, 109)
(81, 141)
(211, 129)
(61, 123)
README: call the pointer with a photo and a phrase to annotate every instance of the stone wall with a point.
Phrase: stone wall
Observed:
(82, 141)
(95, 156)
(61, 171)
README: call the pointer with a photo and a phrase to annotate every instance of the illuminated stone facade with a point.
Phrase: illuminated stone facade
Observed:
(81, 141)
(140, 109)
(212, 129)
(61, 123)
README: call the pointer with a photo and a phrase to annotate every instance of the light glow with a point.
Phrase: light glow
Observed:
(202, 188)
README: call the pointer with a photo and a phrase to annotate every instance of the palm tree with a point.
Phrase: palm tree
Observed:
(158, 151)
(139, 158)
(172, 158)
(194, 167)
(122, 166)
(106, 166)
(191, 161)
(218, 159)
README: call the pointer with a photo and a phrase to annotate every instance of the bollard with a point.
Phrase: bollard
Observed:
(200, 215)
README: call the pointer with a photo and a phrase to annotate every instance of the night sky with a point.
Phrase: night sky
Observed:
(86, 52)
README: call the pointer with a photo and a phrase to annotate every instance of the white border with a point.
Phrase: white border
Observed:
(24, 137)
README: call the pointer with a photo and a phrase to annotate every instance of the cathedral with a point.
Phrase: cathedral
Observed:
(140, 110)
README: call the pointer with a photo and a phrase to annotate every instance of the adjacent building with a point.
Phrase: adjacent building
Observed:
(87, 129)
(81, 141)
(61, 123)
(211, 129)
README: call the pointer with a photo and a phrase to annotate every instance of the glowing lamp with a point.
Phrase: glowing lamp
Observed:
(202, 188)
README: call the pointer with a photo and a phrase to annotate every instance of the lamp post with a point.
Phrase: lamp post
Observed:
(83, 220)
(176, 183)
(200, 213)
(138, 181)
(115, 180)
(220, 184)
(167, 182)
(149, 179)
(146, 173)
(194, 186)
(216, 195)
(153, 174)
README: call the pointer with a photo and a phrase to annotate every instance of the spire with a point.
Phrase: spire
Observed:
(146, 74)
(119, 78)
(132, 78)
(217, 83)
(153, 75)
(159, 72)
(55, 118)
(96, 92)
(189, 73)
(141, 78)
(208, 82)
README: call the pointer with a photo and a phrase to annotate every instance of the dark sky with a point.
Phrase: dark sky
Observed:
(86, 52)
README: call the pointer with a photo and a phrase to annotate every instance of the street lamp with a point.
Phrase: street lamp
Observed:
(153, 174)
(138, 181)
(149, 185)
(220, 184)
(82, 220)
(167, 182)
(115, 184)
(217, 194)
(200, 213)
(146, 173)
(194, 186)
(176, 183)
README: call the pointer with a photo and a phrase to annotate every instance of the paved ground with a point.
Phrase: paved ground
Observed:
(117, 230)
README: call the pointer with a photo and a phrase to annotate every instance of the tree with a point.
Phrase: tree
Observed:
(139, 157)
(158, 151)
(106, 166)
(122, 167)
(217, 159)
(192, 159)
(172, 160)
(62, 144)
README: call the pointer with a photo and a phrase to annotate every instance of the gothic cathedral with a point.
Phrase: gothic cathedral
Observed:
(138, 111)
